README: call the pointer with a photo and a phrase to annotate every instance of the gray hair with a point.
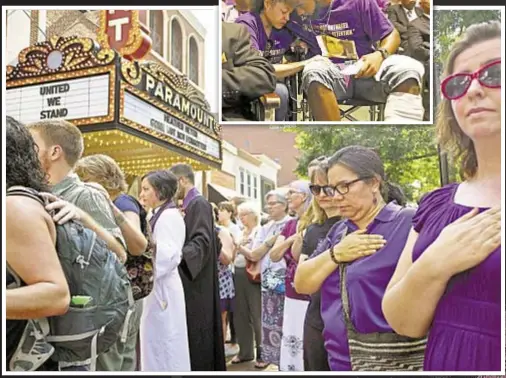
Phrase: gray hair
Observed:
(280, 197)
(250, 207)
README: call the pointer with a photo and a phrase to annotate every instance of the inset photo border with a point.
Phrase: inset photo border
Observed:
(298, 63)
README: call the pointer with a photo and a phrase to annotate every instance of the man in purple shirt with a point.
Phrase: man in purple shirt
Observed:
(358, 31)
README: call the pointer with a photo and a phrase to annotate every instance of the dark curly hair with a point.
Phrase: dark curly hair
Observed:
(23, 166)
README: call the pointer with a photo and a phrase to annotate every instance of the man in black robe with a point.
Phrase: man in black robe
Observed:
(199, 273)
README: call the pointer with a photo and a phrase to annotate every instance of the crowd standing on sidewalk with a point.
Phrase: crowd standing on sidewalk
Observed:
(341, 268)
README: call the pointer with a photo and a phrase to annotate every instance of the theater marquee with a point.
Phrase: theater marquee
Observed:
(142, 115)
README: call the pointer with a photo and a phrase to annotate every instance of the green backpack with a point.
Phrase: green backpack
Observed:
(100, 309)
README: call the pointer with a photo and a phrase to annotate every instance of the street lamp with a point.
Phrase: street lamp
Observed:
(443, 158)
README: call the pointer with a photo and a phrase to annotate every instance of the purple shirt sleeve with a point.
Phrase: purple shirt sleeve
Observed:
(126, 203)
(289, 229)
(374, 22)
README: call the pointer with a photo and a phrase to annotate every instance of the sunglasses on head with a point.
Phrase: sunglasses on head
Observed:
(455, 86)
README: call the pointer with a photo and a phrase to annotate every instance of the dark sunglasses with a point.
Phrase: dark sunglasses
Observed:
(329, 190)
(455, 86)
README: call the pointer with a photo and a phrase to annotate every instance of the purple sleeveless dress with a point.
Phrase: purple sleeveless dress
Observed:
(466, 330)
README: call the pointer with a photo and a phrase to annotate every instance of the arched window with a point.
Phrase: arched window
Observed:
(176, 45)
(156, 29)
(194, 61)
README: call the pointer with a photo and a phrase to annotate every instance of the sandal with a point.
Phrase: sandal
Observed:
(261, 364)
(237, 360)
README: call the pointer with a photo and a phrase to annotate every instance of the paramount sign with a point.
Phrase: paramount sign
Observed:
(168, 95)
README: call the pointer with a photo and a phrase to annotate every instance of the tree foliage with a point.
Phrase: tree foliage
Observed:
(409, 154)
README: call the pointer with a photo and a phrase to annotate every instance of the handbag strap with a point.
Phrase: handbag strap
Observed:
(342, 288)
(344, 297)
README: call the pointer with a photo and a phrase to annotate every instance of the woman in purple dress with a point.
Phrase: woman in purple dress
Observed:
(448, 280)
(370, 239)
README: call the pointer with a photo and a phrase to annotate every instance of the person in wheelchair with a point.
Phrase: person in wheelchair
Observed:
(266, 24)
(358, 33)
(419, 48)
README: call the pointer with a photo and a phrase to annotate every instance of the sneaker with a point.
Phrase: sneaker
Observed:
(33, 350)
(231, 350)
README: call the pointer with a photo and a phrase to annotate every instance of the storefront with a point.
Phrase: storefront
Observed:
(140, 114)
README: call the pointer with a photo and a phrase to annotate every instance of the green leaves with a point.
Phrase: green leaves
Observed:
(409, 153)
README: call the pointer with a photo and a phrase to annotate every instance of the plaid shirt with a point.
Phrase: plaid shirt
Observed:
(90, 200)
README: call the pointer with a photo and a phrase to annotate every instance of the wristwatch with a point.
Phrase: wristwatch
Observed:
(384, 52)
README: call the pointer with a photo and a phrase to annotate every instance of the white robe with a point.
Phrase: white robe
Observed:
(163, 331)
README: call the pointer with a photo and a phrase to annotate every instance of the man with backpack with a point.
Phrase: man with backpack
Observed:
(61, 145)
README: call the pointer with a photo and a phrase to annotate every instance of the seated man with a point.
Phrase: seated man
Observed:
(401, 15)
(419, 47)
(348, 31)
(245, 74)
(266, 25)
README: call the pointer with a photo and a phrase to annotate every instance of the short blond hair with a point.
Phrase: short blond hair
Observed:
(104, 170)
(64, 134)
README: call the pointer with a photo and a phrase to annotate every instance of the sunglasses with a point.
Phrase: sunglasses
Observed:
(455, 86)
(341, 188)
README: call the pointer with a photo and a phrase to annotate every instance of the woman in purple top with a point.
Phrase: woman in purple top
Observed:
(266, 25)
(291, 358)
(447, 283)
(377, 228)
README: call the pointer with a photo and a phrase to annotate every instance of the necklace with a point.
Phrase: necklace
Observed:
(329, 12)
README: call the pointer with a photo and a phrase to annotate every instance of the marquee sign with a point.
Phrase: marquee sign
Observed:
(72, 99)
(121, 30)
(65, 77)
(145, 114)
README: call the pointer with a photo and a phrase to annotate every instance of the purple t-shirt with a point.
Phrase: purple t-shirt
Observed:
(272, 47)
(291, 264)
(126, 203)
(360, 22)
(466, 330)
(367, 279)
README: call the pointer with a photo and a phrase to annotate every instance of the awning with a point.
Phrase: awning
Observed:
(218, 193)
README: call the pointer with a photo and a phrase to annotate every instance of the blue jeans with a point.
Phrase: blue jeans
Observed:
(282, 91)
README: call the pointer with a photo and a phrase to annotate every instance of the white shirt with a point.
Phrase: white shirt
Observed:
(410, 14)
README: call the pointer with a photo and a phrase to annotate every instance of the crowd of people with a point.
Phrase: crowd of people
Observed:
(341, 267)
(320, 41)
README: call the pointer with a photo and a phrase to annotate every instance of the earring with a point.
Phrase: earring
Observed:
(375, 200)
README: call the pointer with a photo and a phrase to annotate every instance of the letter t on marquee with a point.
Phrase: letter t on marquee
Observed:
(117, 25)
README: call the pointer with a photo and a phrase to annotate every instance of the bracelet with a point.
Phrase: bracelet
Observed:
(334, 259)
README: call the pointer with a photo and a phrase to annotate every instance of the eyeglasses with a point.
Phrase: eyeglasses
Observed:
(317, 189)
(457, 85)
(272, 204)
(342, 188)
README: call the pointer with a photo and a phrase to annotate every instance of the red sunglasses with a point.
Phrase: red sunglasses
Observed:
(455, 86)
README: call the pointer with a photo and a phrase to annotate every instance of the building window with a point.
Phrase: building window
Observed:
(241, 181)
(194, 61)
(156, 30)
(176, 45)
(248, 183)
(255, 188)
